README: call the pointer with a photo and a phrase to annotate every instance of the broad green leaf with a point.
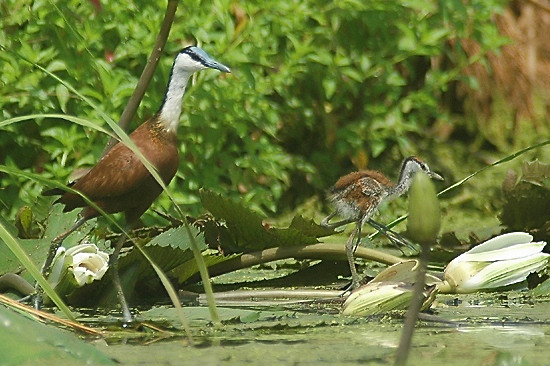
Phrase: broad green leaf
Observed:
(309, 227)
(26, 342)
(247, 227)
(168, 250)
(62, 96)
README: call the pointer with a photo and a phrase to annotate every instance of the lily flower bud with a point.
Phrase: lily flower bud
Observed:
(424, 215)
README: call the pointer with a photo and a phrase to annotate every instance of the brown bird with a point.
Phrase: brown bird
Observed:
(120, 182)
(358, 195)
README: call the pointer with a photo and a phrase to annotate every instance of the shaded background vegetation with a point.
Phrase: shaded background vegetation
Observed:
(318, 88)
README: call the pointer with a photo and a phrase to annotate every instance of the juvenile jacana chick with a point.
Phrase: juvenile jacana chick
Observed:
(357, 195)
(120, 182)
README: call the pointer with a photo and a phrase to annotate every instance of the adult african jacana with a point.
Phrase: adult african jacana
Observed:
(119, 182)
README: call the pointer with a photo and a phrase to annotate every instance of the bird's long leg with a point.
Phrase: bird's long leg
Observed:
(397, 239)
(325, 222)
(350, 248)
(359, 228)
(46, 267)
(113, 264)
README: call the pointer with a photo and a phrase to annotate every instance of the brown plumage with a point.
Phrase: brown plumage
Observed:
(120, 182)
(357, 195)
(360, 193)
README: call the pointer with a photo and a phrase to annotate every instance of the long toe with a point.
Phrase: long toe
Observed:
(401, 242)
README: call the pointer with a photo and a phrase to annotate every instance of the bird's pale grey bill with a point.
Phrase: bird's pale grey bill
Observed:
(436, 176)
(213, 64)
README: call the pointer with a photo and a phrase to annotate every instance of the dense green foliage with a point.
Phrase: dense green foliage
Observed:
(317, 87)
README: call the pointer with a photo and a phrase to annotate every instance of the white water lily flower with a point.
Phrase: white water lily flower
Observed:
(378, 297)
(390, 290)
(381, 297)
(501, 261)
(82, 263)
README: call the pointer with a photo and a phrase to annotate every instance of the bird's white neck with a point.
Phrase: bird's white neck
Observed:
(405, 180)
(170, 112)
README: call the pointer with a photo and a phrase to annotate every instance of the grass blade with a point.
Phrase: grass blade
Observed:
(16, 249)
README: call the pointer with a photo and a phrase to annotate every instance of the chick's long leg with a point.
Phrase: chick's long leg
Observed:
(351, 244)
(325, 222)
(359, 228)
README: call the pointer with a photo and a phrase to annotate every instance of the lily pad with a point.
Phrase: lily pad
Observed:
(27, 342)
(168, 250)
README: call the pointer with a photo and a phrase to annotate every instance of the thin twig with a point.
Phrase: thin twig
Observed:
(147, 74)
(51, 317)
(277, 294)
(413, 310)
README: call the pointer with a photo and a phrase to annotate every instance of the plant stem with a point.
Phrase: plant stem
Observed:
(312, 251)
(147, 74)
(203, 271)
(12, 281)
(275, 297)
(414, 308)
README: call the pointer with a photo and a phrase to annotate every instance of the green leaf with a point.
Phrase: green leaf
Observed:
(329, 85)
(56, 65)
(168, 250)
(247, 227)
(24, 342)
(434, 37)
(37, 249)
(62, 96)
(309, 227)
